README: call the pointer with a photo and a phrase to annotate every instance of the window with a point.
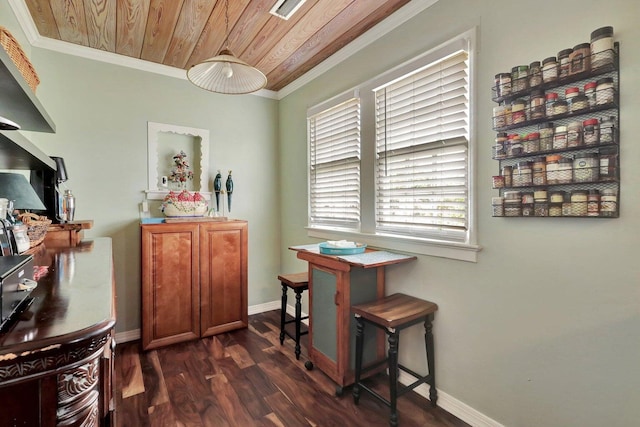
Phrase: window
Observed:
(422, 128)
(412, 128)
(334, 165)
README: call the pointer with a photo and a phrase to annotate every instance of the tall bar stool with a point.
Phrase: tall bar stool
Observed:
(394, 313)
(299, 282)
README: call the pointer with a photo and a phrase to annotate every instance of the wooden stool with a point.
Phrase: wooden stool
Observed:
(299, 282)
(393, 314)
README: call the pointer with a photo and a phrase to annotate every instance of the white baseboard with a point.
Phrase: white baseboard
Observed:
(447, 402)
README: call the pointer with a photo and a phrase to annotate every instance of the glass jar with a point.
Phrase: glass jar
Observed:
(518, 113)
(560, 138)
(503, 84)
(608, 160)
(519, 78)
(565, 170)
(586, 167)
(497, 206)
(515, 145)
(604, 91)
(608, 130)
(579, 103)
(549, 70)
(608, 203)
(591, 132)
(560, 107)
(590, 93)
(553, 162)
(579, 203)
(602, 47)
(21, 237)
(499, 151)
(580, 59)
(512, 208)
(539, 168)
(593, 203)
(536, 105)
(522, 174)
(574, 134)
(541, 207)
(550, 99)
(532, 143)
(535, 74)
(499, 117)
(507, 173)
(546, 136)
(498, 181)
(564, 64)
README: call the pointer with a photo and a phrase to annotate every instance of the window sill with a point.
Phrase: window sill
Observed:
(457, 251)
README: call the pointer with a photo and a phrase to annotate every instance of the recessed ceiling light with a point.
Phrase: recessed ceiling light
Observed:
(285, 8)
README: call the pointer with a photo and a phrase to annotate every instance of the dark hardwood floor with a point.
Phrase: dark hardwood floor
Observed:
(246, 378)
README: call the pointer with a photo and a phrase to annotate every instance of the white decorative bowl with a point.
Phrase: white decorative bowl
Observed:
(181, 209)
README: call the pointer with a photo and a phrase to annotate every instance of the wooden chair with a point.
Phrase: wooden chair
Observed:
(299, 282)
(394, 313)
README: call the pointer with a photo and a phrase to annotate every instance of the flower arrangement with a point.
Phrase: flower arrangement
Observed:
(184, 204)
(181, 171)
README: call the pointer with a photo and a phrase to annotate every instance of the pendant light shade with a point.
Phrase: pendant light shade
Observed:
(226, 74)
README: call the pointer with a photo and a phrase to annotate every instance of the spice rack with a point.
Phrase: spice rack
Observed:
(564, 162)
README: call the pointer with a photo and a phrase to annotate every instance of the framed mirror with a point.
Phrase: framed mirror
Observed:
(164, 141)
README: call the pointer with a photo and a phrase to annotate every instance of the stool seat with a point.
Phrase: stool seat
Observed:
(393, 314)
(299, 282)
(395, 310)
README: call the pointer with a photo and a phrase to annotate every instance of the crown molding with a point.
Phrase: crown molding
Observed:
(402, 15)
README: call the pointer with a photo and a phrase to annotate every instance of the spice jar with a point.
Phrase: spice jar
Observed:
(536, 105)
(593, 203)
(499, 117)
(535, 74)
(604, 91)
(497, 205)
(560, 107)
(591, 132)
(579, 203)
(515, 145)
(560, 138)
(601, 47)
(541, 208)
(532, 143)
(564, 64)
(555, 203)
(499, 151)
(546, 136)
(539, 169)
(585, 167)
(518, 113)
(590, 93)
(574, 134)
(571, 92)
(566, 206)
(503, 84)
(507, 172)
(608, 130)
(553, 162)
(608, 164)
(519, 78)
(579, 103)
(565, 170)
(550, 99)
(522, 174)
(512, 203)
(580, 58)
(549, 70)
(608, 203)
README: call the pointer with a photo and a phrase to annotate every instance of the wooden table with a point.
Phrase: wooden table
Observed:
(69, 233)
(335, 284)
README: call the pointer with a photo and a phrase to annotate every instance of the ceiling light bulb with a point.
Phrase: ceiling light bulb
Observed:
(227, 71)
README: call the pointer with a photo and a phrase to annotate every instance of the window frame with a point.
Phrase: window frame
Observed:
(465, 250)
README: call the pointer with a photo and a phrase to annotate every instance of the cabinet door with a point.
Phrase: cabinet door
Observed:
(170, 288)
(223, 276)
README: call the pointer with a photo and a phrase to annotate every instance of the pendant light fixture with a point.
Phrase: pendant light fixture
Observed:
(225, 73)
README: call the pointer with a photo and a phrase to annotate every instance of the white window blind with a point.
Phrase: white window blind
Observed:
(334, 174)
(422, 137)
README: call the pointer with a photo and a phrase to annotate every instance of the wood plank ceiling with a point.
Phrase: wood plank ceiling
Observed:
(181, 33)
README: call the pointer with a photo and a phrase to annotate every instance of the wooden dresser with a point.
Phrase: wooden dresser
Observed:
(56, 362)
(194, 280)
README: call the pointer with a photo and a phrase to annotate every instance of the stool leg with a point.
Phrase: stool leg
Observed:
(283, 312)
(359, 344)
(431, 364)
(298, 321)
(393, 376)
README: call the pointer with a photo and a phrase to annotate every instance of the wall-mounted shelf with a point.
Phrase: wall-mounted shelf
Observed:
(18, 102)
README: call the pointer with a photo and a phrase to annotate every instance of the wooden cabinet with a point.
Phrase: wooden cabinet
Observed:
(194, 280)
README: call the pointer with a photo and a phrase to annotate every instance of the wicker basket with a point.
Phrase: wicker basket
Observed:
(37, 227)
(17, 55)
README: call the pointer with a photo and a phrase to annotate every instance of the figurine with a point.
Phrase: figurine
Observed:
(217, 187)
(229, 186)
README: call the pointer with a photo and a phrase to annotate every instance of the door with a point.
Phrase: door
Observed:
(223, 276)
(170, 286)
